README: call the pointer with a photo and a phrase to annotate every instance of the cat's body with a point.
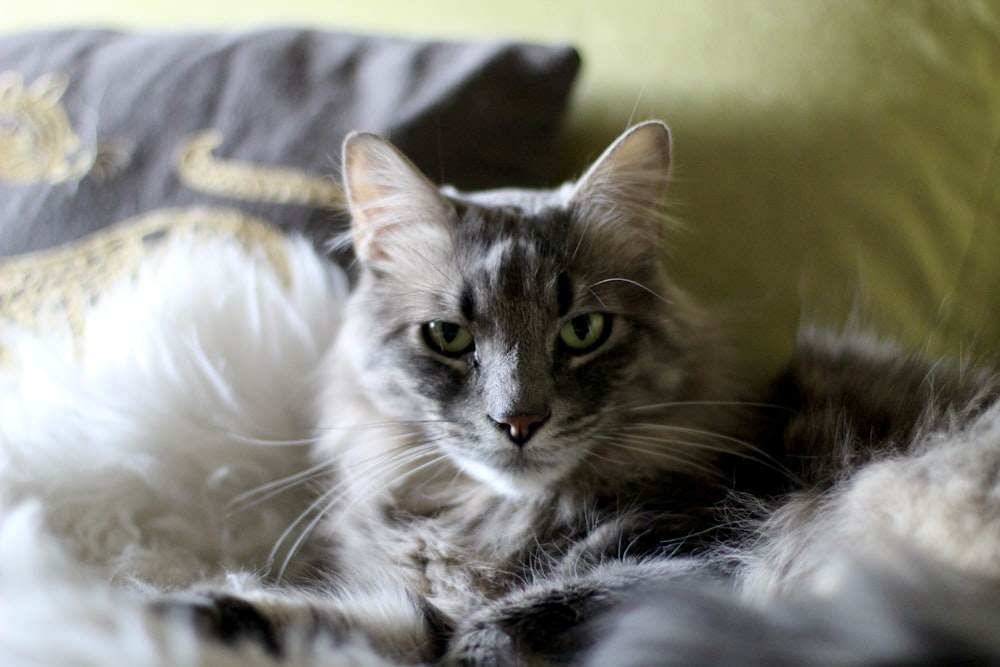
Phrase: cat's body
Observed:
(524, 422)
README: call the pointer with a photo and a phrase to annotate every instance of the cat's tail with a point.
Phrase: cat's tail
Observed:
(916, 613)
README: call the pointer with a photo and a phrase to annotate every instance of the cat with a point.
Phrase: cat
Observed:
(528, 434)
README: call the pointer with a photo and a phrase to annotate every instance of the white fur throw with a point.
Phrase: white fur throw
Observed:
(124, 454)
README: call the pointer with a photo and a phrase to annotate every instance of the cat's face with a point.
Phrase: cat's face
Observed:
(517, 326)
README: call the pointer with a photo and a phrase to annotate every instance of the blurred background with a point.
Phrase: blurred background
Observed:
(833, 160)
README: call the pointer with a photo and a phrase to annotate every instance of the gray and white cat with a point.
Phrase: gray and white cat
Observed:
(533, 453)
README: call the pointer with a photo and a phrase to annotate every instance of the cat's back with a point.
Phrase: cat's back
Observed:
(846, 399)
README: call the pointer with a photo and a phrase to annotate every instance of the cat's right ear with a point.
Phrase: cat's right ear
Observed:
(394, 207)
(625, 188)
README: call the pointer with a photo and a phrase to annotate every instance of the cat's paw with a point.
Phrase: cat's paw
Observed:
(222, 617)
(484, 646)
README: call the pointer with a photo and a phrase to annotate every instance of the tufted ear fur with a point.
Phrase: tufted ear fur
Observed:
(394, 208)
(628, 183)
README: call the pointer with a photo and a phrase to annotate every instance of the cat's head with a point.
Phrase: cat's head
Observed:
(519, 327)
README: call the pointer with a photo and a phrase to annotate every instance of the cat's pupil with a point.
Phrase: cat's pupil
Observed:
(582, 327)
(449, 331)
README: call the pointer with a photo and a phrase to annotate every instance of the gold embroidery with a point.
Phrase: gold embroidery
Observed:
(37, 142)
(200, 170)
(54, 288)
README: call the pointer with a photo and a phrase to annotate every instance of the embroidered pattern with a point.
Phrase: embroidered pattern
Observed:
(37, 142)
(200, 170)
(54, 288)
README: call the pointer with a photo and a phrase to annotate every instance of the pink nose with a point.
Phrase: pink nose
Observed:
(520, 427)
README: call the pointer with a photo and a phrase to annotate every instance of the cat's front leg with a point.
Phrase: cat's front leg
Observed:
(224, 617)
(552, 622)
(391, 623)
(537, 626)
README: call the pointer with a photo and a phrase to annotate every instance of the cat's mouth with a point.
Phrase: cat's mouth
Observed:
(516, 471)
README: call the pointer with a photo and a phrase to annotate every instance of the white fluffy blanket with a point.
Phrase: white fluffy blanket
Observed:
(129, 457)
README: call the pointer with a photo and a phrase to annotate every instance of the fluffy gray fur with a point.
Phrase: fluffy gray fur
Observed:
(530, 452)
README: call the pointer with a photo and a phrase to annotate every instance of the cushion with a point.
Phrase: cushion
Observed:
(52, 290)
(98, 127)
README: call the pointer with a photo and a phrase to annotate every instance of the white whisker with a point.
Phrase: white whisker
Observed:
(683, 404)
(261, 442)
(275, 487)
(330, 498)
(744, 448)
(630, 282)
(313, 506)
(599, 299)
(673, 456)
(695, 431)
(271, 489)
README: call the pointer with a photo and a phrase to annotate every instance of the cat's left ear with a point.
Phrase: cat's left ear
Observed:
(628, 183)
(394, 207)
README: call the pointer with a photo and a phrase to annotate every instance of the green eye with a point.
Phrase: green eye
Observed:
(448, 338)
(584, 333)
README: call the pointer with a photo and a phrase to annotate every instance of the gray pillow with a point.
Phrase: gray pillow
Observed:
(98, 127)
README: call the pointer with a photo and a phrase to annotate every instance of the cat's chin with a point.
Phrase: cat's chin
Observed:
(515, 483)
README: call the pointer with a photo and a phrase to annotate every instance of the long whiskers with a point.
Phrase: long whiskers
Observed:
(630, 282)
(263, 442)
(391, 461)
(385, 424)
(632, 407)
(711, 435)
(745, 449)
(257, 495)
(328, 503)
(264, 492)
(707, 440)
(673, 456)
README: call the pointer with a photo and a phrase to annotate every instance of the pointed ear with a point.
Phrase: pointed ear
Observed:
(393, 205)
(628, 182)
